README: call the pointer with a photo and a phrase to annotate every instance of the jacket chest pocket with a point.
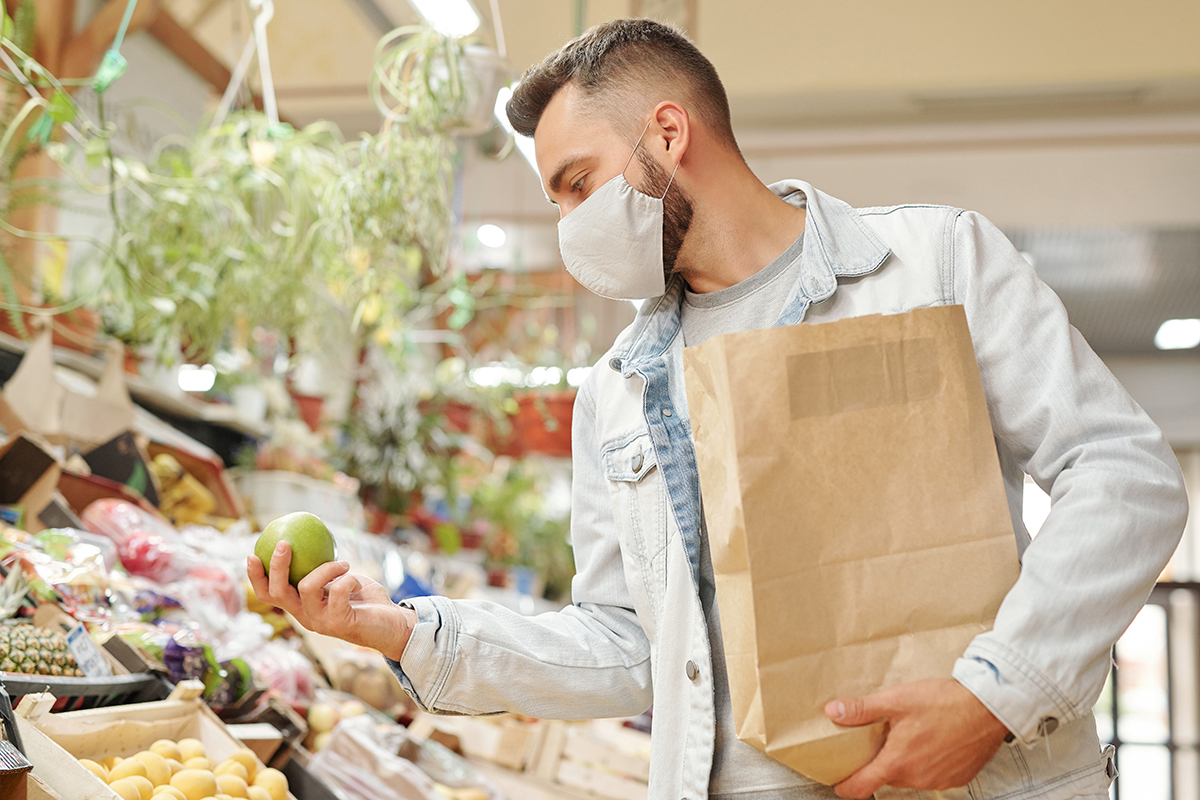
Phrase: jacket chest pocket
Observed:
(639, 506)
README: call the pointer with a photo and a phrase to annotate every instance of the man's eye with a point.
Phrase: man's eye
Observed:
(577, 186)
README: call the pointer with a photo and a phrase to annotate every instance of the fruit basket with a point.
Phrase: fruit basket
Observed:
(56, 743)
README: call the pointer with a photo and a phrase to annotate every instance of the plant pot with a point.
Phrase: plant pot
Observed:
(542, 423)
(310, 409)
(75, 329)
(250, 402)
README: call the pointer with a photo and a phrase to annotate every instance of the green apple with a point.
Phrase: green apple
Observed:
(312, 543)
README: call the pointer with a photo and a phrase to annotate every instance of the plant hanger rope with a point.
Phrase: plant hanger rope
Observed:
(262, 11)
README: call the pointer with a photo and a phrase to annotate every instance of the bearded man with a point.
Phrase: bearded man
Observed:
(635, 146)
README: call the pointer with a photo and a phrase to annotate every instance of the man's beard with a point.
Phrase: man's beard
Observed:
(677, 207)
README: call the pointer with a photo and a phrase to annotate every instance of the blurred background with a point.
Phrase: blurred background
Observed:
(1074, 126)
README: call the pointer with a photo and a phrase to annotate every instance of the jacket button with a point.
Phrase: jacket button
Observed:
(1047, 726)
(691, 670)
(666, 412)
(615, 364)
(637, 462)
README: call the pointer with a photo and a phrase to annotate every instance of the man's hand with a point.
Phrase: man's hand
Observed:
(333, 601)
(939, 737)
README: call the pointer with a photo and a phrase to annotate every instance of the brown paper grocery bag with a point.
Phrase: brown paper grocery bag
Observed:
(856, 517)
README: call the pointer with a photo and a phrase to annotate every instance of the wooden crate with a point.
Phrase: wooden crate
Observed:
(55, 742)
(505, 740)
(601, 758)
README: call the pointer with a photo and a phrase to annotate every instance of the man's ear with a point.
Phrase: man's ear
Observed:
(674, 129)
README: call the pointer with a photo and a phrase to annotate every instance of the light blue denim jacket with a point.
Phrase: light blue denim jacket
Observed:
(635, 632)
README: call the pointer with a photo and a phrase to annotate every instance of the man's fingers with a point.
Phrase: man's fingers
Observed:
(858, 710)
(258, 578)
(322, 575)
(282, 593)
(312, 587)
(864, 783)
(340, 592)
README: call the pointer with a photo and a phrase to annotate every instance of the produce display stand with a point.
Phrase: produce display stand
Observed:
(54, 743)
(77, 694)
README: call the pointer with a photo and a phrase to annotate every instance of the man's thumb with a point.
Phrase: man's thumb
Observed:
(853, 711)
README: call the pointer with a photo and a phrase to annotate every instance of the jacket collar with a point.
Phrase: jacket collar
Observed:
(837, 244)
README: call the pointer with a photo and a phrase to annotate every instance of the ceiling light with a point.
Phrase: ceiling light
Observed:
(491, 235)
(454, 18)
(1178, 334)
(524, 143)
(197, 379)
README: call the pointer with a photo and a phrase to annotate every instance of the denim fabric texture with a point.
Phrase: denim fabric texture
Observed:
(635, 632)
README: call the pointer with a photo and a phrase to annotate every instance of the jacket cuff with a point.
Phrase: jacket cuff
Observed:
(420, 670)
(1013, 690)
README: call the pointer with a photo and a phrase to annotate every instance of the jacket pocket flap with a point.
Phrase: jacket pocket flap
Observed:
(629, 460)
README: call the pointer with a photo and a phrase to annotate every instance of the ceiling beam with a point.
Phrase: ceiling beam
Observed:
(193, 55)
(376, 15)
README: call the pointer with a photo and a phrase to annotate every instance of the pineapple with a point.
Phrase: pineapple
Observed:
(25, 648)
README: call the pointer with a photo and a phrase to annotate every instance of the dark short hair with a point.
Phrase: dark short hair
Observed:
(611, 61)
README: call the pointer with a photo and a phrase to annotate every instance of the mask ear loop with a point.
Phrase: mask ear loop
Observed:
(629, 160)
(664, 197)
(634, 152)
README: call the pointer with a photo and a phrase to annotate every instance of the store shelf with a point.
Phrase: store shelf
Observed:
(215, 425)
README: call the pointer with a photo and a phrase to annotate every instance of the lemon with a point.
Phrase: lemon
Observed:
(231, 785)
(96, 769)
(156, 766)
(258, 793)
(174, 765)
(169, 791)
(126, 789)
(312, 543)
(199, 762)
(128, 767)
(167, 749)
(245, 756)
(190, 748)
(231, 767)
(196, 784)
(273, 781)
(144, 787)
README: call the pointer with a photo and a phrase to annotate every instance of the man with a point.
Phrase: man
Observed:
(633, 103)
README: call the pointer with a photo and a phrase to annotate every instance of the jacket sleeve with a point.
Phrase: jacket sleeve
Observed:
(1118, 501)
(590, 660)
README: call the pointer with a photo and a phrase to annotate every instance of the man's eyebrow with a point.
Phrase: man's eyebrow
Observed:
(563, 166)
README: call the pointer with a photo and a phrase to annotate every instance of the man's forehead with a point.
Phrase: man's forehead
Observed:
(572, 127)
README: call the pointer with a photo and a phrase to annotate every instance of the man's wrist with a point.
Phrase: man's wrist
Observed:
(406, 621)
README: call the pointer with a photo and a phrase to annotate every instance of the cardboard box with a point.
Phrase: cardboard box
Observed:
(54, 743)
(121, 460)
(34, 400)
(80, 491)
(29, 475)
(210, 472)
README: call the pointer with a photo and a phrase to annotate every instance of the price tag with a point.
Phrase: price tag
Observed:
(87, 654)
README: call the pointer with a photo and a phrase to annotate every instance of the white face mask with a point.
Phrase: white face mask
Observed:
(612, 242)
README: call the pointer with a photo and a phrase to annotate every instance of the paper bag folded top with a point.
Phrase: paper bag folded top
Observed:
(856, 516)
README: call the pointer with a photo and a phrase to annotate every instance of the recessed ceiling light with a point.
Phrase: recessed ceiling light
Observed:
(491, 235)
(1178, 334)
(454, 18)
